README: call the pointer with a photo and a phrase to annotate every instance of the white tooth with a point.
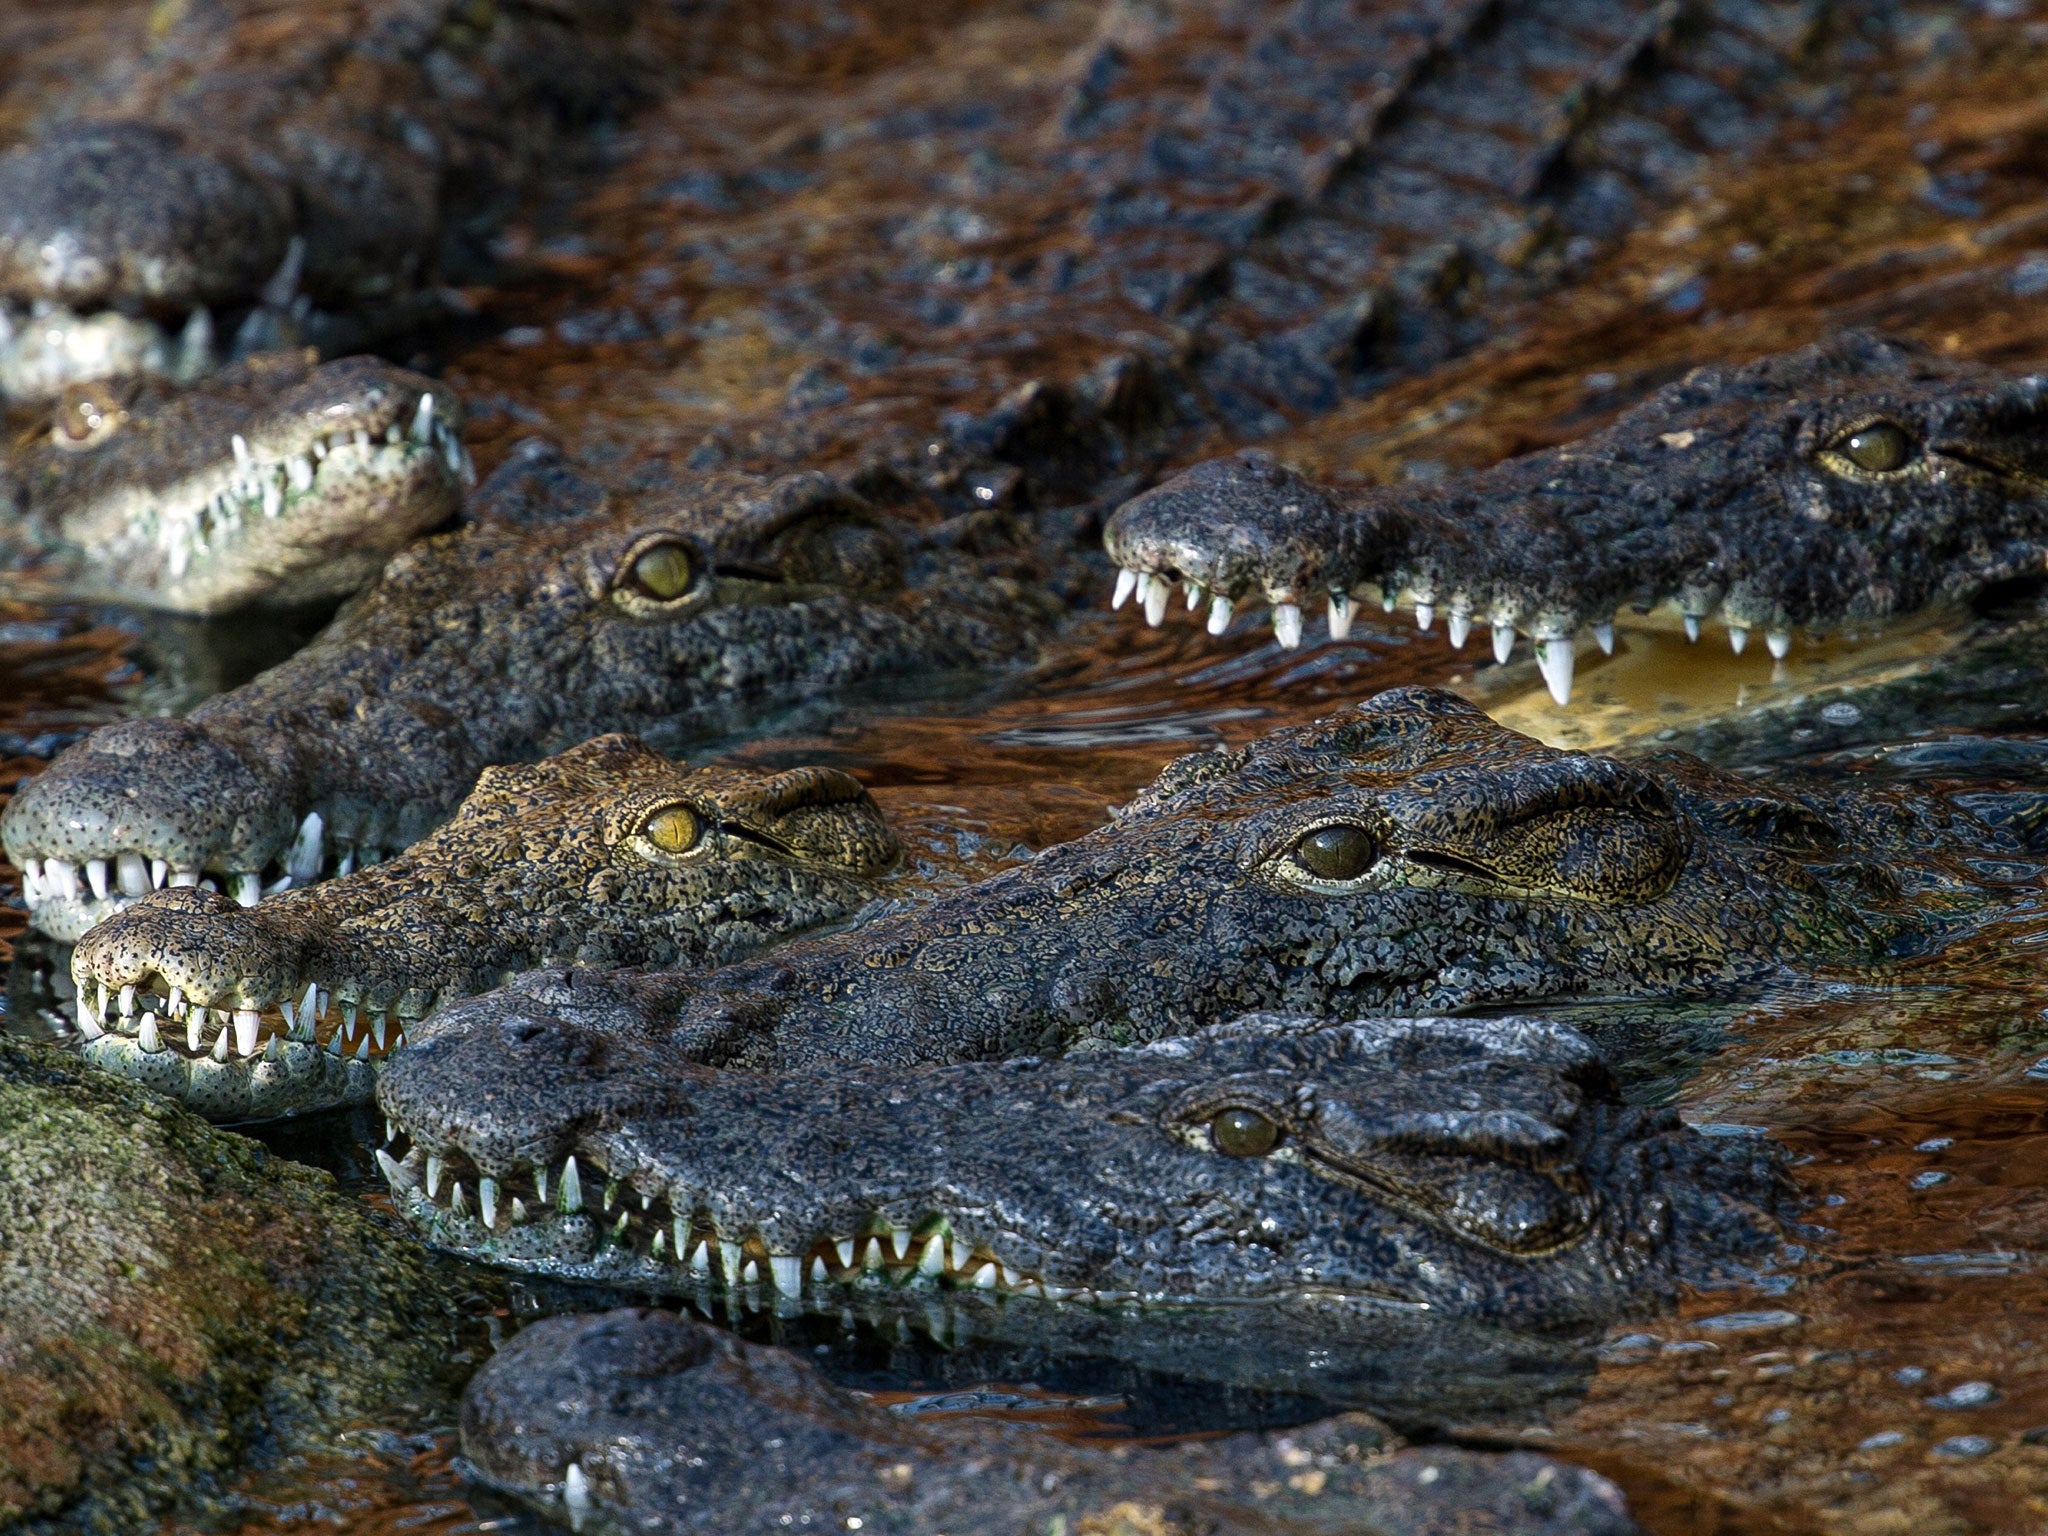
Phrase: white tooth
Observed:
(277, 887)
(1692, 627)
(159, 871)
(247, 1022)
(572, 1187)
(750, 1272)
(299, 470)
(487, 1200)
(933, 1261)
(1737, 639)
(576, 1495)
(819, 1274)
(1503, 643)
(361, 438)
(787, 1271)
(389, 1166)
(1194, 594)
(131, 874)
(1458, 626)
(241, 447)
(309, 1004)
(1340, 615)
(1780, 641)
(147, 1037)
(302, 862)
(1126, 584)
(1153, 592)
(248, 887)
(540, 1181)
(362, 1052)
(176, 1005)
(273, 1049)
(1554, 658)
(423, 419)
(700, 1256)
(729, 1261)
(958, 1254)
(220, 1045)
(844, 1248)
(320, 449)
(985, 1277)
(1287, 625)
(459, 461)
(518, 1212)
(435, 1168)
(457, 1202)
(127, 1002)
(194, 1031)
(61, 877)
(102, 1009)
(394, 434)
(1604, 633)
(88, 1026)
(1219, 613)
(273, 497)
(184, 877)
(347, 863)
(1425, 615)
(380, 1026)
(291, 1019)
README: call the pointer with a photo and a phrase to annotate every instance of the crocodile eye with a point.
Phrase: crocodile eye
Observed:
(86, 415)
(674, 829)
(1338, 852)
(1243, 1133)
(1878, 448)
(663, 571)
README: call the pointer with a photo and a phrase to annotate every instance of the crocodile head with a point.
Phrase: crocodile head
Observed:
(1843, 484)
(607, 855)
(275, 482)
(558, 612)
(1481, 1168)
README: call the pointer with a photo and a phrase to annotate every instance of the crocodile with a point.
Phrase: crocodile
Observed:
(1406, 856)
(640, 1420)
(230, 178)
(560, 610)
(1840, 485)
(178, 1304)
(1483, 1169)
(607, 855)
(277, 482)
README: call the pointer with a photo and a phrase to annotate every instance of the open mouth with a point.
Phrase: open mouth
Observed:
(575, 1220)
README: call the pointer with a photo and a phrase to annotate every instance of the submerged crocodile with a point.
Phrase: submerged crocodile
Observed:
(1484, 1169)
(1840, 485)
(275, 482)
(1409, 856)
(558, 612)
(606, 855)
(234, 170)
(639, 1420)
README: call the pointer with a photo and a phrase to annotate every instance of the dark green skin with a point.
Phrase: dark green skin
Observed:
(1731, 494)
(521, 634)
(1483, 1170)
(134, 493)
(554, 861)
(178, 1304)
(674, 1426)
(1506, 872)
(307, 182)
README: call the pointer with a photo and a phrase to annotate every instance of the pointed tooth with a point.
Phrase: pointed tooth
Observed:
(1219, 613)
(487, 1200)
(957, 1254)
(240, 445)
(393, 1171)
(819, 1274)
(1193, 591)
(1503, 643)
(176, 1005)
(844, 1248)
(1554, 657)
(435, 1167)
(101, 1010)
(1737, 639)
(1425, 615)
(423, 419)
(194, 1030)
(1603, 632)
(729, 1262)
(572, 1187)
(96, 877)
(248, 887)
(131, 874)
(61, 876)
(540, 1182)
(700, 1256)
(1692, 627)
(1458, 625)
(220, 1045)
(273, 1049)
(247, 1022)
(985, 1277)
(933, 1260)
(1153, 592)
(750, 1272)
(1779, 641)
(159, 871)
(787, 1271)
(299, 470)
(518, 1212)
(303, 860)
(1126, 584)
(147, 1037)
(88, 1025)
(1287, 625)
(273, 496)
(126, 1001)
(1340, 615)
(457, 1201)
(576, 1494)
(380, 1026)
(308, 1004)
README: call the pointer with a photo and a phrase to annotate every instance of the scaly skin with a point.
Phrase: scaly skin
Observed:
(278, 481)
(642, 1421)
(1485, 1170)
(229, 156)
(1736, 491)
(529, 630)
(606, 855)
(1483, 869)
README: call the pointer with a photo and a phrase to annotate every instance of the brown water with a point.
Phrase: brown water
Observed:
(1918, 1112)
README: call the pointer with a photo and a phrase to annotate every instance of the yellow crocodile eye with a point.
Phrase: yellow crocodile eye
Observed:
(675, 829)
(664, 571)
(1243, 1133)
(1340, 852)
(1879, 448)
(86, 415)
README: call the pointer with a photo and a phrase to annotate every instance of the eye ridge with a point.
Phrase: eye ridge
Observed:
(1336, 851)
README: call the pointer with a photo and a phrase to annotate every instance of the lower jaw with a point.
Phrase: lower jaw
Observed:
(291, 1077)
